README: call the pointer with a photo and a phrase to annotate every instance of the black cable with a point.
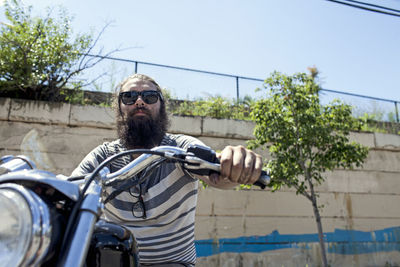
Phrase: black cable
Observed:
(76, 178)
(25, 160)
(373, 5)
(148, 171)
(104, 163)
(365, 8)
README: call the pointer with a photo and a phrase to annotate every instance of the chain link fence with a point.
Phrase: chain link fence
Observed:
(192, 84)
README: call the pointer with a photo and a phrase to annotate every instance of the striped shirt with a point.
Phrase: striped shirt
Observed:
(166, 234)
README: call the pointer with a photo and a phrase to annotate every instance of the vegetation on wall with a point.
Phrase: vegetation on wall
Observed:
(216, 107)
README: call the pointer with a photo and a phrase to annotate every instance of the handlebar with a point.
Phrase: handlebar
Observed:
(196, 159)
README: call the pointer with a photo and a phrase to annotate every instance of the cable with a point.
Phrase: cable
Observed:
(104, 163)
(128, 184)
(369, 4)
(25, 160)
(366, 8)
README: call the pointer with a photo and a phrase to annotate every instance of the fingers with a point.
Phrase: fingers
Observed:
(226, 158)
(258, 163)
(240, 165)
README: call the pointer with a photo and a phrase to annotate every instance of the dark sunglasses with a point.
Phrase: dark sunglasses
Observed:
(149, 97)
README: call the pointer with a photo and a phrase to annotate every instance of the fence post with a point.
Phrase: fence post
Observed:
(397, 111)
(237, 89)
(136, 66)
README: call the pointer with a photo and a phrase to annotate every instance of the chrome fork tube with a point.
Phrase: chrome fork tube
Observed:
(78, 245)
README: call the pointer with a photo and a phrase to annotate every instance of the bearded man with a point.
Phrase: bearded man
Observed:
(161, 211)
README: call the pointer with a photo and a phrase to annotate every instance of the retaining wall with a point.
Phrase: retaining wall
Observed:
(361, 214)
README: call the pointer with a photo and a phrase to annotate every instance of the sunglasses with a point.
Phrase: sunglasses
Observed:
(138, 208)
(149, 97)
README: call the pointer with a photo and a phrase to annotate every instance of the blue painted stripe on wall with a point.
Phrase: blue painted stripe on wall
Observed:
(348, 242)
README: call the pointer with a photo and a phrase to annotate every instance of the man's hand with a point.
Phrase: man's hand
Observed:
(238, 166)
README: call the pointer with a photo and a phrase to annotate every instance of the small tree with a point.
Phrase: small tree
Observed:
(39, 57)
(305, 139)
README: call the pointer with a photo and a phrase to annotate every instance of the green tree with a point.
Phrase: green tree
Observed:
(305, 139)
(40, 57)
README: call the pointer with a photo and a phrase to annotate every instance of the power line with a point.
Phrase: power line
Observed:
(373, 5)
(367, 8)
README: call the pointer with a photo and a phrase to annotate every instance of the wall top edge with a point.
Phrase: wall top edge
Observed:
(38, 111)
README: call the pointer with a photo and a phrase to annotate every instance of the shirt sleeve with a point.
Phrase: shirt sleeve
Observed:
(183, 141)
(91, 161)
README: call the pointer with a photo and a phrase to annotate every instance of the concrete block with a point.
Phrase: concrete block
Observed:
(360, 181)
(205, 227)
(251, 203)
(39, 111)
(230, 226)
(228, 128)
(185, 125)
(4, 108)
(277, 204)
(230, 202)
(54, 138)
(382, 160)
(387, 140)
(282, 204)
(374, 206)
(366, 139)
(12, 133)
(205, 202)
(94, 116)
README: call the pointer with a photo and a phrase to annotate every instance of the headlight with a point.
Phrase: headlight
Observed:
(24, 227)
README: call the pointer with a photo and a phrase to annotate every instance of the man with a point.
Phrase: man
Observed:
(161, 211)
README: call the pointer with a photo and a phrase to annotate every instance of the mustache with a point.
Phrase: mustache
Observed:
(141, 109)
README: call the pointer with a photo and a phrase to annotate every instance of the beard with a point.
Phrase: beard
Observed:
(142, 131)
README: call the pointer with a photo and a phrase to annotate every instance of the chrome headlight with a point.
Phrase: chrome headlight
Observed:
(24, 227)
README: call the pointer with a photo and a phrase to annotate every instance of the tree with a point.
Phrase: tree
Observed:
(305, 138)
(39, 57)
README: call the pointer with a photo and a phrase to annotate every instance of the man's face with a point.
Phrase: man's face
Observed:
(140, 109)
(141, 124)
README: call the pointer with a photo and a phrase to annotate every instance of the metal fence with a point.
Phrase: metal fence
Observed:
(192, 84)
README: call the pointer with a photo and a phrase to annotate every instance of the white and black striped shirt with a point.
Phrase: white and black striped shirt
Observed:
(169, 196)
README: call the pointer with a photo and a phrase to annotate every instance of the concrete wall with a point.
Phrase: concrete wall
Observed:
(361, 214)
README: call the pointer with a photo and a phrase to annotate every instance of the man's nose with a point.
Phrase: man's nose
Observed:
(139, 101)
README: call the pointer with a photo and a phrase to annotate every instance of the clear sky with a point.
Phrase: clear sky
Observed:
(356, 51)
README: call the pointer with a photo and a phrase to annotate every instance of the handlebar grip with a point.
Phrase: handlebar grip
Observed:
(209, 155)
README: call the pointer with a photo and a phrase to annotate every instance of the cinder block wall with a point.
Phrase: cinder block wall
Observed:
(361, 214)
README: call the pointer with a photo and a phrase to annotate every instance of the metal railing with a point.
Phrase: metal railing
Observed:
(379, 105)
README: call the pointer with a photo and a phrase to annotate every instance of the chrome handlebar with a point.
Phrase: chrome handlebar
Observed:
(190, 161)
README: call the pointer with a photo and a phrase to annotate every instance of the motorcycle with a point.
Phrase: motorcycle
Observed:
(52, 220)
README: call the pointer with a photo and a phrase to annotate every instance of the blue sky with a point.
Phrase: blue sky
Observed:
(356, 51)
